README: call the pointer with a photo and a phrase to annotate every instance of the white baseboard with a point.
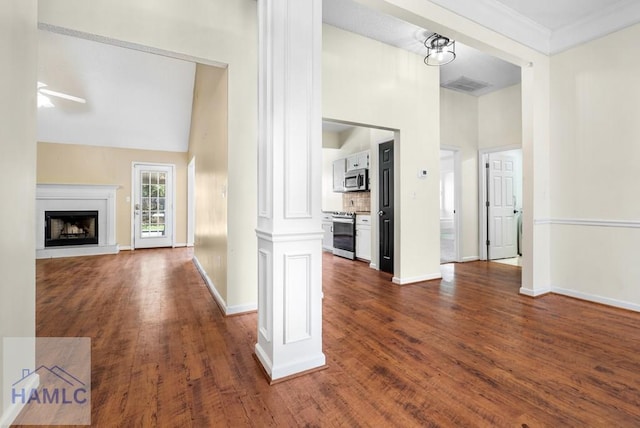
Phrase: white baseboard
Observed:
(470, 259)
(535, 293)
(190, 244)
(128, 247)
(212, 288)
(241, 309)
(180, 245)
(14, 409)
(582, 296)
(226, 310)
(428, 277)
(373, 266)
(596, 299)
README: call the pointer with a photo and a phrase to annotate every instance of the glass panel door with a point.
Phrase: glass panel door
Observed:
(153, 206)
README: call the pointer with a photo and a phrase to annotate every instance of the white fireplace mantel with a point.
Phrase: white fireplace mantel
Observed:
(78, 197)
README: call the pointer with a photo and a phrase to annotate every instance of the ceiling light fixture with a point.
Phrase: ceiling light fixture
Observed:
(44, 95)
(44, 101)
(441, 50)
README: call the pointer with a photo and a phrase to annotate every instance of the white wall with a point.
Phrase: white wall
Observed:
(18, 49)
(595, 156)
(500, 118)
(217, 31)
(395, 91)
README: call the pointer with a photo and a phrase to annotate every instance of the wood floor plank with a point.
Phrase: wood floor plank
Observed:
(466, 350)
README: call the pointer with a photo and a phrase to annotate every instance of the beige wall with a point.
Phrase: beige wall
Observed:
(18, 49)
(208, 144)
(459, 129)
(219, 31)
(500, 118)
(594, 167)
(394, 91)
(79, 164)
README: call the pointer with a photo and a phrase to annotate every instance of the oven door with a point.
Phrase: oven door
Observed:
(344, 232)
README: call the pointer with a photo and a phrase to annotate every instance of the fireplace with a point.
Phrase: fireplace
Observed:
(76, 198)
(70, 228)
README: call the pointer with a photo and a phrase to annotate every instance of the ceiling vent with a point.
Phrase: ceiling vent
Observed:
(464, 84)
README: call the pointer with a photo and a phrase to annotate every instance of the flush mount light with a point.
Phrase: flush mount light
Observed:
(441, 50)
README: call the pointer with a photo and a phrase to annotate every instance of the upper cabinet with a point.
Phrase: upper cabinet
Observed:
(358, 161)
(339, 168)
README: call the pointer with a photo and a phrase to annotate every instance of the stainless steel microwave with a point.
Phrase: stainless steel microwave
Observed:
(356, 180)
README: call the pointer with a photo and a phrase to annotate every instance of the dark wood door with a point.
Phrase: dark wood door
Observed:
(385, 205)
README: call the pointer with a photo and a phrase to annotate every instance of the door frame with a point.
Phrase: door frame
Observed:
(482, 194)
(457, 199)
(396, 222)
(133, 202)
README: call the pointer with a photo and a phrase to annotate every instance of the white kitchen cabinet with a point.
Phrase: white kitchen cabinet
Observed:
(327, 227)
(339, 168)
(363, 237)
(358, 161)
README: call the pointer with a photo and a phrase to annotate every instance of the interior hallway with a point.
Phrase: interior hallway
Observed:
(463, 351)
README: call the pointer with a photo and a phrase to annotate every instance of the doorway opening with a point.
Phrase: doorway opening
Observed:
(344, 143)
(449, 205)
(501, 205)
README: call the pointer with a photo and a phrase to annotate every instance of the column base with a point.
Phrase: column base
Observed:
(287, 372)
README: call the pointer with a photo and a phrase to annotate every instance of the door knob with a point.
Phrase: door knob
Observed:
(380, 213)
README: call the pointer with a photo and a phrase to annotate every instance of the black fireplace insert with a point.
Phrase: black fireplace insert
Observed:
(70, 228)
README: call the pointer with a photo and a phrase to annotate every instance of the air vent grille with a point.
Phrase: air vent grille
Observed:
(464, 84)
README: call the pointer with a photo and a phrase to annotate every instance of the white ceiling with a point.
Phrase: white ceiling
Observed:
(134, 99)
(469, 63)
(549, 26)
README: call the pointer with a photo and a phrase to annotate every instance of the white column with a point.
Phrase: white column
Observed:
(289, 187)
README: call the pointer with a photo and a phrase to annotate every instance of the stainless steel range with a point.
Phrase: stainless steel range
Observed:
(344, 235)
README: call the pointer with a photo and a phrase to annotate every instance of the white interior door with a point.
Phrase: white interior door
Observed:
(502, 210)
(153, 208)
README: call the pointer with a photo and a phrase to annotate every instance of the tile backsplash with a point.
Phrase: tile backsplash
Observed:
(356, 201)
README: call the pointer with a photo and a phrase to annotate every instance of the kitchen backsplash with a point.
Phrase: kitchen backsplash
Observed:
(356, 201)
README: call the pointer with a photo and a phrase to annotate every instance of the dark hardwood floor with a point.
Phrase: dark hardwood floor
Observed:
(467, 350)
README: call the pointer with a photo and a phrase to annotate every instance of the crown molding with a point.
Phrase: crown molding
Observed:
(605, 21)
(502, 19)
(506, 21)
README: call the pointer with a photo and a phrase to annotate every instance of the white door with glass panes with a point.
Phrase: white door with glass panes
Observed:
(153, 207)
